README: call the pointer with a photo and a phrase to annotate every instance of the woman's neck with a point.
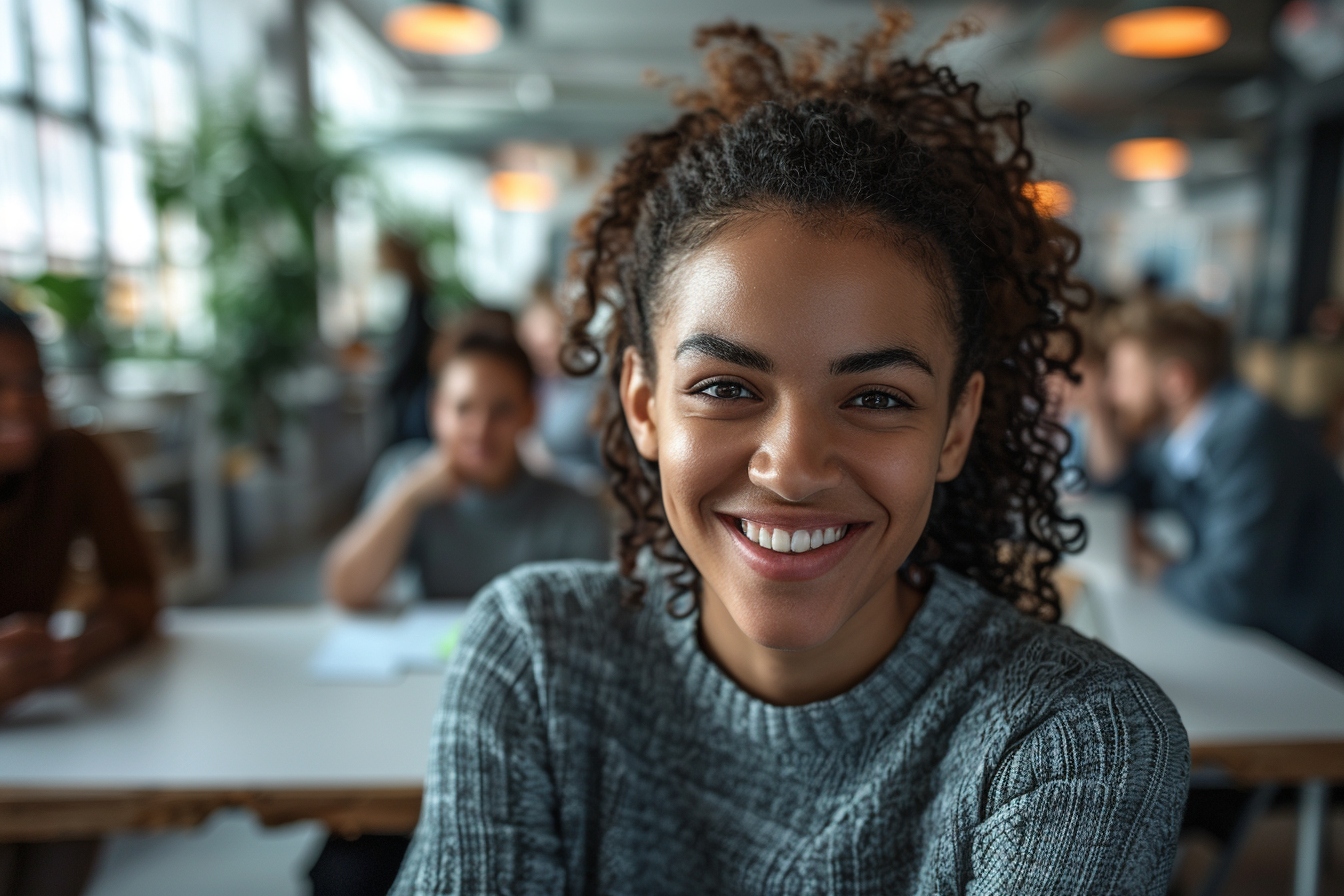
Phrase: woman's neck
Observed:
(795, 677)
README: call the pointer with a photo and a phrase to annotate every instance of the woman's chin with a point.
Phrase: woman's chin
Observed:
(786, 628)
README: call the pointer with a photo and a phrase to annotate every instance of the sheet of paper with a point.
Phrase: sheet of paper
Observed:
(358, 650)
(379, 650)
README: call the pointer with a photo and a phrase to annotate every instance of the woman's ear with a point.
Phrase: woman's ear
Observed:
(960, 429)
(638, 402)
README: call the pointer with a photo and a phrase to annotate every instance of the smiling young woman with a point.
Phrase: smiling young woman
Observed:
(823, 661)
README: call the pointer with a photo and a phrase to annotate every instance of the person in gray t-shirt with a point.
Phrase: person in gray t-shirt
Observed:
(461, 510)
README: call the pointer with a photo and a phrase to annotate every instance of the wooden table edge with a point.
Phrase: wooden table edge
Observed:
(1272, 762)
(51, 813)
(60, 813)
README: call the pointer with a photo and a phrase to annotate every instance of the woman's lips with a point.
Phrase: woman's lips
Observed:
(793, 566)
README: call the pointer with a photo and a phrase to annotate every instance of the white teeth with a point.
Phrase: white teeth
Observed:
(785, 542)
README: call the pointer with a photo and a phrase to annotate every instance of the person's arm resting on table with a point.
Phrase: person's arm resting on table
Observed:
(367, 553)
(1067, 814)
(130, 599)
(1107, 454)
(30, 657)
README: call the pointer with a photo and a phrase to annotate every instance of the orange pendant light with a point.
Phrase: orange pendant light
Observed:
(443, 29)
(1150, 158)
(1167, 32)
(1050, 198)
(522, 191)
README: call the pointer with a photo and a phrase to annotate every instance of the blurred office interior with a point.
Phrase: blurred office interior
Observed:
(197, 199)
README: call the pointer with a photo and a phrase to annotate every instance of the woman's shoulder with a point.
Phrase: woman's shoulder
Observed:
(1065, 711)
(545, 598)
(557, 628)
(75, 456)
(1038, 670)
(73, 445)
(392, 464)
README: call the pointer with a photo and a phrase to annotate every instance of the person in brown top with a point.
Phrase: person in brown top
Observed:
(57, 486)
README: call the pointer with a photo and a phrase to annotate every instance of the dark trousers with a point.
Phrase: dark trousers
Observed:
(1215, 810)
(57, 868)
(364, 866)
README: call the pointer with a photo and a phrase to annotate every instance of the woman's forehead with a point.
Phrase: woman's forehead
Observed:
(807, 295)
(481, 372)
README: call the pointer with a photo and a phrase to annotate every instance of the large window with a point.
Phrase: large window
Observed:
(86, 86)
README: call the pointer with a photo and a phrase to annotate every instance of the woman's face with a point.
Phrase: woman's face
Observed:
(481, 406)
(800, 416)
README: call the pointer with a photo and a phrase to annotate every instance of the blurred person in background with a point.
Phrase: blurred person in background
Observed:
(460, 510)
(407, 387)
(1174, 430)
(57, 489)
(564, 444)
(1327, 326)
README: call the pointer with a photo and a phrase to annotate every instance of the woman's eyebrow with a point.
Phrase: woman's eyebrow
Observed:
(724, 350)
(880, 359)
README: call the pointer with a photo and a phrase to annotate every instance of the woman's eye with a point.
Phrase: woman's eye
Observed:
(725, 391)
(877, 401)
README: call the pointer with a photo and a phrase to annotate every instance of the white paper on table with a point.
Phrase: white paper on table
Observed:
(358, 650)
(382, 650)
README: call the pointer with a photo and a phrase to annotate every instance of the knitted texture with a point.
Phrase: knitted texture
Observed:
(587, 748)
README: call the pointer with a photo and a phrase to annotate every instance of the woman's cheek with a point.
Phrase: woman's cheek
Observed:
(898, 472)
(696, 459)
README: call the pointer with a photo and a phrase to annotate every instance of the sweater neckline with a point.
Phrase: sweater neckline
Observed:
(887, 693)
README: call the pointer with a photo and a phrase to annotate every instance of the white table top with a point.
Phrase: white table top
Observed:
(225, 699)
(1230, 684)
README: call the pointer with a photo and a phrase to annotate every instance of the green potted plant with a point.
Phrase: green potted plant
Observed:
(258, 192)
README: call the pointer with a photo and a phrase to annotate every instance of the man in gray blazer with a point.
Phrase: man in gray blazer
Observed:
(1173, 430)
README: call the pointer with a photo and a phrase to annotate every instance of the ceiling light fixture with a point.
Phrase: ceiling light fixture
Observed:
(1050, 198)
(522, 191)
(1167, 32)
(443, 29)
(1150, 158)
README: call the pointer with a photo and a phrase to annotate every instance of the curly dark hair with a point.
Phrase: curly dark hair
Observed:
(863, 135)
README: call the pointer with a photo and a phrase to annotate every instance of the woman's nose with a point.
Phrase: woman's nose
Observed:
(796, 458)
(474, 424)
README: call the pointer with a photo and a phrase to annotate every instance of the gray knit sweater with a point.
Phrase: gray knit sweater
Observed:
(585, 748)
